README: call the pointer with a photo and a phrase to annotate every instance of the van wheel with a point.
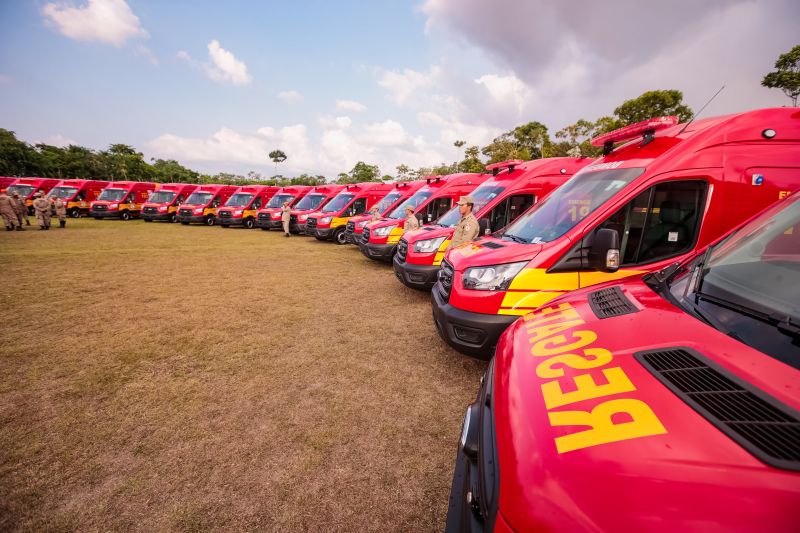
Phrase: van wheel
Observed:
(125, 215)
(184, 223)
(339, 237)
(75, 212)
(147, 219)
(173, 218)
(210, 220)
(249, 223)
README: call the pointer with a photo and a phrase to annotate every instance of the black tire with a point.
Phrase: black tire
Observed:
(75, 212)
(173, 217)
(125, 215)
(211, 220)
(249, 223)
(339, 237)
(184, 223)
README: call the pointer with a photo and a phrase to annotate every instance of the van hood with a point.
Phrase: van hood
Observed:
(670, 468)
(490, 251)
(426, 232)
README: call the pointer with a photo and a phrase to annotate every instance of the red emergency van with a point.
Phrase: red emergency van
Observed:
(242, 207)
(402, 191)
(314, 200)
(379, 239)
(514, 187)
(667, 191)
(201, 206)
(664, 402)
(28, 187)
(5, 181)
(330, 222)
(77, 195)
(163, 202)
(121, 199)
(269, 216)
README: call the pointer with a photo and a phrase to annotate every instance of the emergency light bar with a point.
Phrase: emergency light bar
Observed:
(429, 180)
(510, 164)
(645, 128)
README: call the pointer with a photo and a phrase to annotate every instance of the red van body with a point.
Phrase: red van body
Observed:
(656, 199)
(28, 187)
(242, 207)
(330, 222)
(314, 200)
(202, 204)
(77, 195)
(401, 192)
(379, 239)
(514, 187)
(269, 216)
(5, 181)
(164, 202)
(121, 199)
(631, 405)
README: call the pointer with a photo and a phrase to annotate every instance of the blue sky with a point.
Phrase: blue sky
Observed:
(216, 85)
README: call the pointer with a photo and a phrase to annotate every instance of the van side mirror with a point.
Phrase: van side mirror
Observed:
(604, 251)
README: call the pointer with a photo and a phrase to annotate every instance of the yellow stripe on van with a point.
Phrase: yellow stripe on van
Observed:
(530, 279)
(394, 236)
(339, 221)
(437, 260)
(522, 302)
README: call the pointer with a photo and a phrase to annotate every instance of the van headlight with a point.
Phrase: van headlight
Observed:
(384, 231)
(493, 277)
(428, 245)
(113, 206)
(324, 220)
(362, 223)
(302, 218)
(237, 212)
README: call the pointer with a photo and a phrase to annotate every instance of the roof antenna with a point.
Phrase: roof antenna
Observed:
(701, 110)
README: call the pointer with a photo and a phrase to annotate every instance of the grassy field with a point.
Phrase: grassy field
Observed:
(157, 376)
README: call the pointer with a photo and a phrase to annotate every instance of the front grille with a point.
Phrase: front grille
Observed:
(311, 223)
(402, 250)
(225, 214)
(150, 210)
(263, 216)
(607, 303)
(446, 273)
(365, 235)
(759, 423)
(100, 207)
(185, 212)
(351, 226)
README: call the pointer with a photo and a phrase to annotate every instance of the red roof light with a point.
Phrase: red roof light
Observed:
(633, 131)
(504, 164)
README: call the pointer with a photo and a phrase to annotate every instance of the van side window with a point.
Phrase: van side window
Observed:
(659, 223)
(81, 195)
(517, 205)
(436, 209)
(256, 203)
(179, 199)
(215, 202)
(358, 207)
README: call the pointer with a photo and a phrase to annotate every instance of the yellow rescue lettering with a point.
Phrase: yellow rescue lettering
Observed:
(591, 358)
(783, 194)
(586, 388)
(552, 313)
(555, 345)
(542, 332)
(638, 421)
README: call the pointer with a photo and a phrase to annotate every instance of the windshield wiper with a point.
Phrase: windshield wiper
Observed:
(663, 277)
(784, 323)
(515, 238)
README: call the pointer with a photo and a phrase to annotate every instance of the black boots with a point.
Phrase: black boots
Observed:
(19, 228)
(62, 223)
(9, 228)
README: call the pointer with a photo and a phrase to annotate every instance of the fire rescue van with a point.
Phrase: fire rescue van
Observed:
(402, 191)
(379, 239)
(28, 187)
(269, 216)
(121, 199)
(77, 195)
(663, 402)
(667, 191)
(314, 200)
(242, 207)
(330, 222)
(163, 202)
(515, 186)
(201, 206)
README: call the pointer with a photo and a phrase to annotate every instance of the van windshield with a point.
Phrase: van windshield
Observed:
(338, 203)
(199, 198)
(569, 204)
(161, 197)
(415, 201)
(278, 199)
(482, 196)
(387, 201)
(112, 195)
(63, 192)
(239, 199)
(23, 190)
(310, 201)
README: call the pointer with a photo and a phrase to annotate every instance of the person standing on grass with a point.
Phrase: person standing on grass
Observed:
(8, 210)
(411, 220)
(285, 217)
(467, 228)
(61, 211)
(42, 207)
(22, 209)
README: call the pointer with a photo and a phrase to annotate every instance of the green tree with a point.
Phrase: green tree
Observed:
(360, 173)
(170, 171)
(277, 156)
(123, 162)
(472, 161)
(503, 148)
(532, 137)
(403, 172)
(16, 157)
(653, 104)
(786, 77)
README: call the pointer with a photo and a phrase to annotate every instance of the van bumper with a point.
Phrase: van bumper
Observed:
(297, 228)
(473, 334)
(420, 277)
(104, 214)
(322, 233)
(192, 219)
(378, 252)
(269, 224)
(230, 222)
(166, 217)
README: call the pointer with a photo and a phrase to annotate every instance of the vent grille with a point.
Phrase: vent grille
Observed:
(611, 302)
(759, 423)
(150, 210)
(100, 207)
(446, 273)
(493, 245)
(185, 212)
(402, 250)
(365, 235)
(225, 214)
(311, 223)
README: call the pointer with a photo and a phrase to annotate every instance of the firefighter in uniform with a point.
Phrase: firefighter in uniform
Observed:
(42, 207)
(286, 215)
(8, 210)
(411, 221)
(467, 228)
(375, 215)
(22, 209)
(61, 211)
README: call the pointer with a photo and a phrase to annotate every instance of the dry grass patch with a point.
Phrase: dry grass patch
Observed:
(156, 376)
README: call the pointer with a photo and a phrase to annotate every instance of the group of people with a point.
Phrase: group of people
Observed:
(15, 212)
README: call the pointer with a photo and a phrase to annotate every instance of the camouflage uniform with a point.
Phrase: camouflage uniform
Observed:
(61, 212)
(42, 207)
(8, 211)
(466, 230)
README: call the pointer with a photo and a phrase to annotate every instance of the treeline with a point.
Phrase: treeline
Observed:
(528, 141)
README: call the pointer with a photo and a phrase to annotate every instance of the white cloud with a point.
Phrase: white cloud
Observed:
(107, 21)
(224, 66)
(403, 85)
(146, 53)
(57, 140)
(290, 97)
(350, 106)
(329, 122)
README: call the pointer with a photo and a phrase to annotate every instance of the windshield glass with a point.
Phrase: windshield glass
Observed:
(199, 198)
(482, 196)
(23, 190)
(278, 199)
(161, 197)
(569, 204)
(310, 201)
(387, 201)
(239, 199)
(415, 201)
(112, 195)
(338, 203)
(63, 192)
